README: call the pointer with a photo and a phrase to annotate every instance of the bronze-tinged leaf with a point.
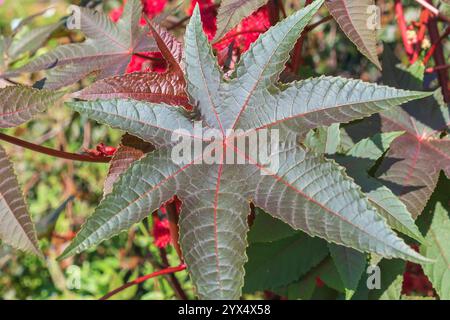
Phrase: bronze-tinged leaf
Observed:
(170, 47)
(357, 19)
(168, 87)
(412, 166)
(131, 149)
(231, 12)
(19, 104)
(16, 227)
(107, 50)
(302, 189)
(151, 87)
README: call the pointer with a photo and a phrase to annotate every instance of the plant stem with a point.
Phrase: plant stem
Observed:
(274, 11)
(143, 279)
(52, 152)
(437, 68)
(439, 58)
(424, 17)
(297, 58)
(172, 216)
(403, 29)
(175, 284)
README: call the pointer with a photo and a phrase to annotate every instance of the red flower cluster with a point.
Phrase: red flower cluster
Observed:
(208, 12)
(102, 151)
(245, 33)
(155, 62)
(415, 281)
(161, 232)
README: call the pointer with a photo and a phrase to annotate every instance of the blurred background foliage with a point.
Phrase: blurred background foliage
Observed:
(50, 183)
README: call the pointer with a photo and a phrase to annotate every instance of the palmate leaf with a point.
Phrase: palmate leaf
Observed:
(107, 50)
(16, 227)
(168, 87)
(308, 191)
(231, 12)
(358, 161)
(19, 104)
(411, 167)
(359, 23)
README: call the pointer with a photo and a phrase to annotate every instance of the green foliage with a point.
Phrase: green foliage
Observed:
(357, 159)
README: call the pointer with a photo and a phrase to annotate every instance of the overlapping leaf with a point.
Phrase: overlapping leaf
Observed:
(16, 227)
(130, 150)
(411, 167)
(231, 12)
(282, 262)
(168, 87)
(19, 104)
(358, 161)
(307, 191)
(350, 265)
(107, 49)
(359, 21)
(438, 249)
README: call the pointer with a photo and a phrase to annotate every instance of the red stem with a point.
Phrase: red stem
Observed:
(172, 216)
(403, 29)
(142, 279)
(424, 17)
(53, 152)
(437, 68)
(297, 58)
(274, 11)
(439, 57)
(433, 48)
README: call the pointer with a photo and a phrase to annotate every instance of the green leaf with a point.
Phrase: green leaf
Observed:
(350, 264)
(204, 77)
(391, 279)
(107, 50)
(324, 139)
(359, 21)
(279, 263)
(31, 40)
(231, 12)
(16, 227)
(265, 228)
(306, 287)
(313, 194)
(438, 249)
(140, 190)
(156, 123)
(308, 192)
(322, 101)
(19, 104)
(412, 165)
(358, 160)
(260, 67)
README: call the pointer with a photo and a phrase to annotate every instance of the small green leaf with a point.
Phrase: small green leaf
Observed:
(350, 265)
(438, 249)
(279, 263)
